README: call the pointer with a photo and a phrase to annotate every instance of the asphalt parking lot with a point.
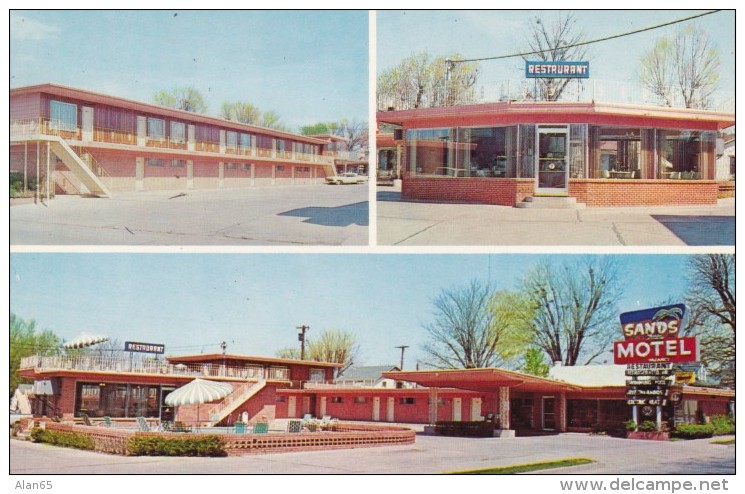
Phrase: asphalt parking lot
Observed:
(301, 215)
(436, 224)
(428, 455)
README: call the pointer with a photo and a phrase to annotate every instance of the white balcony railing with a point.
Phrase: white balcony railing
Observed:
(149, 366)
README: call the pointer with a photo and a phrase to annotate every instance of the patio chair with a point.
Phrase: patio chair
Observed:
(307, 417)
(294, 426)
(240, 428)
(107, 421)
(86, 419)
(165, 426)
(144, 426)
(261, 428)
(179, 426)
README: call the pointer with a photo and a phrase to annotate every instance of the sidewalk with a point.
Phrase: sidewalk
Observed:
(437, 224)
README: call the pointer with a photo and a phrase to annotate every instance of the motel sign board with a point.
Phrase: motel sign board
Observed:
(653, 335)
(563, 70)
(665, 350)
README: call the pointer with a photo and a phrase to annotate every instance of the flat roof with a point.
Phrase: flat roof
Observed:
(484, 379)
(219, 357)
(557, 112)
(104, 99)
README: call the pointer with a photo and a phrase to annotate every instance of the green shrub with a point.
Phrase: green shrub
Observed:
(723, 425)
(209, 445)
(630, 425)
(66, 439)
(465, 429)
(648, 426)
(693, 431)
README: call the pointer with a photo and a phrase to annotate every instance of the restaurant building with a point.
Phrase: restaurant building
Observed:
(524, 153)
(75, 141)
(124, 386)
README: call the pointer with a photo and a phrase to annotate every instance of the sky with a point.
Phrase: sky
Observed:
(191, 302)
(308, 66)
(477, 34)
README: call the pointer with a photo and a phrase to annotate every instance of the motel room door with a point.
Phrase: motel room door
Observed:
(457, 409)
(376, 408)
(552, 160)
(548, 414)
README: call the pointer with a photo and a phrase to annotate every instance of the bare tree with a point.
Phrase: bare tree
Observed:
(711, 302)
(553, 41)
(575, 307)
(684, 68)
(334, 345)
(461, 334)
(240, 112)
(356, 133)
(185, 98)
(420, 81)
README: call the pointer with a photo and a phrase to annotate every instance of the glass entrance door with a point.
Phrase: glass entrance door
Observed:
(549, 415)
(552, 160)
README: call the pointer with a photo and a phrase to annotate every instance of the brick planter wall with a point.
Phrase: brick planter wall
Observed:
(726, 188)
(607, 192)
(497, 191)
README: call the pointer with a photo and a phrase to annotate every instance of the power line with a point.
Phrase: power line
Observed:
(583, 43)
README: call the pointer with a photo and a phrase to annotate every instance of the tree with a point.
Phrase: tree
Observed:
(290, 353)
(331, 128)
(683, 68)
(575, 307)
(534, 363)
(356, 133)
(420, 81)
(26, 340)
(461, 334)
(334, 345)
(553, 41)
(185, 98)
(240, 112)
(711, 303)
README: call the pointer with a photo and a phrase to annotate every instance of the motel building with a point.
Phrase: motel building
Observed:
(592, 149)
(73, 141)
(578, 399)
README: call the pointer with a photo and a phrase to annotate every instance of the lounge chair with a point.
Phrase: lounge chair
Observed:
(240, 428)
(165, 426)
(261, 428)
(144, 426)
(307, 417)
(179, 426)
(86, 419)
(294, 426)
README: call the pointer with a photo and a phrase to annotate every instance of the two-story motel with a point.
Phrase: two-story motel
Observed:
(79, 141)
(580, 398)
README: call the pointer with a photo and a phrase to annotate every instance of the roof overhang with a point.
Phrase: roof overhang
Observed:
(596, 113)
(487, 379)
(219, 357)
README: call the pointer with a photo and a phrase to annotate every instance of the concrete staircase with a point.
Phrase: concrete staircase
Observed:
(238, 397)
(551, 202)
(78, 167)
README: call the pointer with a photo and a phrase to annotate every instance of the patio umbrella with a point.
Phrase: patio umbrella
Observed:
(85, 340)
(197, 392)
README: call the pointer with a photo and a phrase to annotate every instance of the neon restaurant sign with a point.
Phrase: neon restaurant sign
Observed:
(563, 70)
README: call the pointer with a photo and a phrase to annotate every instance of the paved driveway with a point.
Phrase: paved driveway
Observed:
(428, 454)
(282, 215)
(417, 223)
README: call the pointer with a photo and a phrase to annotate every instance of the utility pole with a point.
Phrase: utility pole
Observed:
(403, 348)
(301, 338)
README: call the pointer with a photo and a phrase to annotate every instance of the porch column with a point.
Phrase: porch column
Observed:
(25, 166)
(562, 412)
(38, 171)
(432, 406)
(504, 407)
(47, 180)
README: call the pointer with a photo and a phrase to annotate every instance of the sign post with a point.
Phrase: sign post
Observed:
(652, 344)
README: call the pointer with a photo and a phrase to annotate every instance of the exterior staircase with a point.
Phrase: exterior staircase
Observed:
(238, 397)
(551, 202)
(78, 167)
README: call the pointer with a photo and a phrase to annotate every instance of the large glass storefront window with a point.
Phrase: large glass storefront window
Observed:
(117, 400)
(463, 152)
(683, 154)
(618, 152)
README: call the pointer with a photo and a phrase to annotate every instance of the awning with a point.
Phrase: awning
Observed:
(486, 379)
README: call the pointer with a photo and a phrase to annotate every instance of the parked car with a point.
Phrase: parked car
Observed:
(16, 417)
(346, 178)
(384, 177)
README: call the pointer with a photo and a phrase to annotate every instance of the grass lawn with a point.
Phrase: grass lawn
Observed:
(530, 467)
(724, 441)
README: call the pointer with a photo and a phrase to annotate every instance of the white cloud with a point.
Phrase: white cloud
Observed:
(25, 29)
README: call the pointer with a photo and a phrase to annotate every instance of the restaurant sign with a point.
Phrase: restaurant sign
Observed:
(563, 70)
(134, 346)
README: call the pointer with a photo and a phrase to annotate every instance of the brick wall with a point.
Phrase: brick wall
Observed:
(726, 188)
(503, 192)
(605, 192)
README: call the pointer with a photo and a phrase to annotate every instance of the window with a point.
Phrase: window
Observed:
(178, 132)
(280, 168)
(231, 139)
(280, 145)
(336, 399)
(63, 116)
(245, 142)
(280, 399)
(245, 167)
(317, 375)
(360, 399)
(230, 166)
(178, 163)
(303, 169)
(154, 162)
(407, 401)
(156, 128)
